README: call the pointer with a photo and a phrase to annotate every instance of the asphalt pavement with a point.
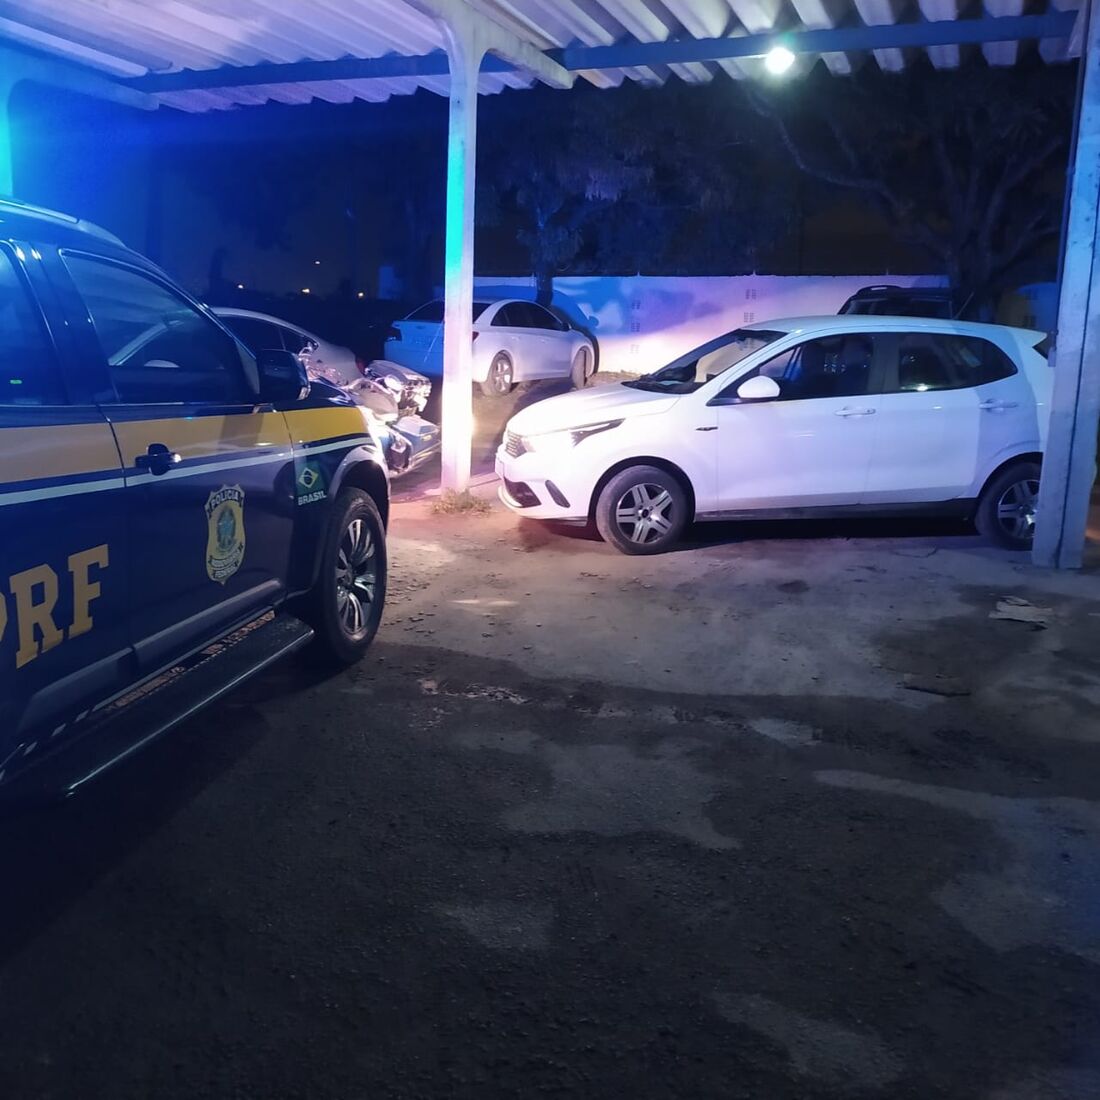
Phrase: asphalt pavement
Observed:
(786, 814)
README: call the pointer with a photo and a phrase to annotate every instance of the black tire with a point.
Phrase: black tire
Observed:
(1006, 508)
(642, 510)
(343, 585)
(579, 374)
(499, 381)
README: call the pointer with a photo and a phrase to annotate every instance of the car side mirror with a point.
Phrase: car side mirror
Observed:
(760, 388)
(283, 376)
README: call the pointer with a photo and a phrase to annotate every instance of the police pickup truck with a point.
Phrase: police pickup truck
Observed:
(175, 513)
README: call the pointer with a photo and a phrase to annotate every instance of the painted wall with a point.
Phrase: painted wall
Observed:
(643, 321)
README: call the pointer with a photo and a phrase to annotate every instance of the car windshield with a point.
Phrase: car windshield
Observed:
(707, 361)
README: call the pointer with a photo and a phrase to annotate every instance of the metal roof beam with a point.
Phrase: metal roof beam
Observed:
(573, 59)
(389, 67)
(19, 64)
(831, 40)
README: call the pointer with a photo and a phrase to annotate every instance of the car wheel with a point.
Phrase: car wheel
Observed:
(498, 383)
(1007, 508)
(345, 606)
(579, 373)
(642, 510)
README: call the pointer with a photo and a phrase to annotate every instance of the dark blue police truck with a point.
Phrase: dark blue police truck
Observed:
(175, 513)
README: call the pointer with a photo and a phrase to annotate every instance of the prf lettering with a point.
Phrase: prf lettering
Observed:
(34, 593)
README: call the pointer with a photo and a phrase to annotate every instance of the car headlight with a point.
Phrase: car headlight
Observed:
(566, 439)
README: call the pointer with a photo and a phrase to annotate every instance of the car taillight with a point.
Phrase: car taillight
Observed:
(394, 333)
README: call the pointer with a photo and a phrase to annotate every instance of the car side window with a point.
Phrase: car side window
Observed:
(29, 374)
(507, 317)
(294, 341)
(830, 366)
(257, 335)
(159, 348)
(945, 361)
(540, 317)
(525, 315)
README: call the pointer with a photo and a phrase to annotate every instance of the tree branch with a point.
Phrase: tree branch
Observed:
(848, 180)
(1042, 224)
(947, 172)
(1010, 179)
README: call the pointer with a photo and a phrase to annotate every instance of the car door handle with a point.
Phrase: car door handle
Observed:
(848, 411)
(997, 406)
(708, 428)
(157, 459)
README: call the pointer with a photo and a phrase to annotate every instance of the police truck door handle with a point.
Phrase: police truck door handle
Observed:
(158, 459)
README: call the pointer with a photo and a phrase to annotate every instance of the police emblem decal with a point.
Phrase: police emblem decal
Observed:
(224, 532)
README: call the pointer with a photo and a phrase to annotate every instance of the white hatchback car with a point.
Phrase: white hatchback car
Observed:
(851, 415)
(514, 341)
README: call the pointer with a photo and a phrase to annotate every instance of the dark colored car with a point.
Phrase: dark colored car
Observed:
(176, 512)
(903, 301)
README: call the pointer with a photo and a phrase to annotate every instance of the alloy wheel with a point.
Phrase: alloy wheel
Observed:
(356, 578)
(1016, 509)
(500, 374)
(643, 513)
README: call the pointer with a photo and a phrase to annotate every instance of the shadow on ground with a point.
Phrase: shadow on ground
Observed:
(441, 875)
(787, 814)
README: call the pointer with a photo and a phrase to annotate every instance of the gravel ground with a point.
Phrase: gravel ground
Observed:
(786, 814)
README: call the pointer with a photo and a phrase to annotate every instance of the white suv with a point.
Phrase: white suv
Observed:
(851, 414)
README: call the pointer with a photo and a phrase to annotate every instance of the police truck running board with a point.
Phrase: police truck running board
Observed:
(121, 729)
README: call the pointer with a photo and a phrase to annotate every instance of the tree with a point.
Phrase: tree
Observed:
(966, 164)
(632, 179)
(559, 163)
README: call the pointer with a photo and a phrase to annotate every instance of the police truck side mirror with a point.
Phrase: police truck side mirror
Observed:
(283, 376)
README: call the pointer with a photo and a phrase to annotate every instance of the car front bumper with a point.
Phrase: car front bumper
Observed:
(538, 487)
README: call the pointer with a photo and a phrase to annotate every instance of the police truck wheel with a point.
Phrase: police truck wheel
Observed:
(345, 607)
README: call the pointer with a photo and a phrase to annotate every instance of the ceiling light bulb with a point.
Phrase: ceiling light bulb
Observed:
(778, 60)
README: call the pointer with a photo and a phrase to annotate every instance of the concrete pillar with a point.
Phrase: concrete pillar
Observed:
(1069, 464)
(465, 53)
(468, 36)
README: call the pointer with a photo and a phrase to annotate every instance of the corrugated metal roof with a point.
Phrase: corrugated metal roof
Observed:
(130, 38)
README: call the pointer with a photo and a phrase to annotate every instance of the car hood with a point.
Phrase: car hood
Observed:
(590, 406)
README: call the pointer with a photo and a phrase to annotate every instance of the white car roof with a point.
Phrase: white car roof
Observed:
(866, 322)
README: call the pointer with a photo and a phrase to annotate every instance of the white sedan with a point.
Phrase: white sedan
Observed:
(514, 341)
(844, 415)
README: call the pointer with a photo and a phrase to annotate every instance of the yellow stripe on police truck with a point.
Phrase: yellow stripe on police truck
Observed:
(56, 450)
(203, 436)
(330, 422)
